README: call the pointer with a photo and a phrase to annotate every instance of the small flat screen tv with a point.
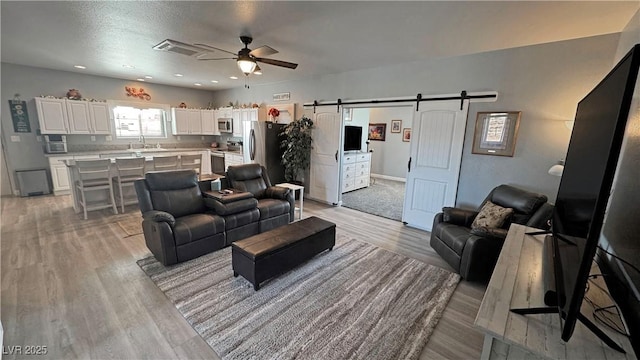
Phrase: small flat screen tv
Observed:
(352, 138)
(588, 175)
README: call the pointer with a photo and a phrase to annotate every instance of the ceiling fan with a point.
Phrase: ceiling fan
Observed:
(248, 59)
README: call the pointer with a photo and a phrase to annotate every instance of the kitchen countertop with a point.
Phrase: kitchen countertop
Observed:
(127, 151)
(225, 150)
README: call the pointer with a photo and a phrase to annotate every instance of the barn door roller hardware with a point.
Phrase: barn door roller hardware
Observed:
(464, 95)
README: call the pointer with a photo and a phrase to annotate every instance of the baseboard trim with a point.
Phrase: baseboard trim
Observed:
(386, 177)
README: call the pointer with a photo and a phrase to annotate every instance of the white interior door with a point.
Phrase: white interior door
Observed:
(434, 166)
(324, 170)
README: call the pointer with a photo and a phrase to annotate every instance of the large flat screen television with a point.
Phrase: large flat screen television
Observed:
(582, 198)
(352, 138)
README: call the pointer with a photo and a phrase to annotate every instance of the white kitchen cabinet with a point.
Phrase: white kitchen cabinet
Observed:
(187, 121)
(209, 122)
(356, 170)
(245, 115)
(100, 120)
(64, 116)
(232, 160)
(60, 174)
(78, 117)
(206, 162)
(225, 113)
(88, 117)
(195, 121)
(180, 124)
(237, 122)
(52, 115)
(250, 114)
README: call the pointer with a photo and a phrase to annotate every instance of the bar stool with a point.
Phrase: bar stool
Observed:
(94, 175)
(165, 163)
(191, 162)
(129, 170)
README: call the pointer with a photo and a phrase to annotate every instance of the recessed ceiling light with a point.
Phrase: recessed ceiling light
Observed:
(140, 79)
(214, 81)
(79, 66)
(178, 75)
(233, 77)
(197, 84)
(148, 77)
(128, 66)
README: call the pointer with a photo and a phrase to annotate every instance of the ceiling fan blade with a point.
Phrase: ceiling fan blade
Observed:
(218, 59)
(263, 51)
(277, 63)
(215, 48)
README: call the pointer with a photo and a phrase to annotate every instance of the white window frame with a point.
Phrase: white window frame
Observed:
(166, 108)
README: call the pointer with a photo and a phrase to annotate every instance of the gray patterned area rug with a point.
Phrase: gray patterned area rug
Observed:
(355, 302)
(382, 198)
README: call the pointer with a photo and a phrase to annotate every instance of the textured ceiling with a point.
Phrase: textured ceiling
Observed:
(322, 37)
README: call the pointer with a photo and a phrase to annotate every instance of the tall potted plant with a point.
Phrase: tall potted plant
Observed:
(297, 148)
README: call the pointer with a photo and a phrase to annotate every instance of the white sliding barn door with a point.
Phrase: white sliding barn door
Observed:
(324, 169)
(436, 152)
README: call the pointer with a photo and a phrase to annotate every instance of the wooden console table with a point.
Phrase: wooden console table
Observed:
(517, 283)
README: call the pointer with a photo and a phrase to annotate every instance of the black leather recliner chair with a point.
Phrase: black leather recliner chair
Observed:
(275, 204)
(474, 253)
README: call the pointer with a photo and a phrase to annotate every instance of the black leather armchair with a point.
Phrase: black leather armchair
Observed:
(474, 253)
(275, 204)
(176, 222)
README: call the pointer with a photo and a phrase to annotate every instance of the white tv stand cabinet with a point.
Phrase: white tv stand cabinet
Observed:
(517, 283)
(356, 170)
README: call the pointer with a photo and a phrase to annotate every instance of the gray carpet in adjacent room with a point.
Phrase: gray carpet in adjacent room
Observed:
(383, 198)
(356, 301)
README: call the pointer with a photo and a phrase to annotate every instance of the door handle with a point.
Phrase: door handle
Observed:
(409, 165)
(336, 155)
(252, 145)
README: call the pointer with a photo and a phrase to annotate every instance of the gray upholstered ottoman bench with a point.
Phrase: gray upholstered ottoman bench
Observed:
(263, 256)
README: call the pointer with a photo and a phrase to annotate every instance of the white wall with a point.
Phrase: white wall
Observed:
(30, 82)
(629, 37)
(390, 157)
(360, 118)
(545, 82)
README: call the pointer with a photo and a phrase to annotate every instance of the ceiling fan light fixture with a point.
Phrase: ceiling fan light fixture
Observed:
(246, 64)
(257, 70)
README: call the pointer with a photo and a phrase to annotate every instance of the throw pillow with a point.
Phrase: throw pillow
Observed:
(491, 216)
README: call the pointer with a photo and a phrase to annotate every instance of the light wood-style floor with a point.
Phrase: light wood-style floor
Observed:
(73, 285)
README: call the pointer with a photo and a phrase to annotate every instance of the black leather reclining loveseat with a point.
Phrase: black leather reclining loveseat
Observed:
(180, 224)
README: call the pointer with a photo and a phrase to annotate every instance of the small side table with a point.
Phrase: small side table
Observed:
(295, 188)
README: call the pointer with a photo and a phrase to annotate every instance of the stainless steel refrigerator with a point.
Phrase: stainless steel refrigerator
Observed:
(261, 144)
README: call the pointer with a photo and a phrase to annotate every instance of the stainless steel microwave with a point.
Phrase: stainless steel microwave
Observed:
(225, 125)
(55, 144)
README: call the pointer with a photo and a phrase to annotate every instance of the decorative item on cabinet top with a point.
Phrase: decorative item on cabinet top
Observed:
(138, 93)
(74, 94)
(64, 97)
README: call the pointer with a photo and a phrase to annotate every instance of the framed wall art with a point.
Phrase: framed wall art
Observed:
(377, 131)
(406, 134)
(395, 126)
(496, 133)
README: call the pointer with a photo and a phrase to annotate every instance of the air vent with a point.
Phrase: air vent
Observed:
(180, 48)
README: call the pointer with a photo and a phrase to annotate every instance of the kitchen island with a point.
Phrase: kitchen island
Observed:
(60, 172)
(128, 192)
